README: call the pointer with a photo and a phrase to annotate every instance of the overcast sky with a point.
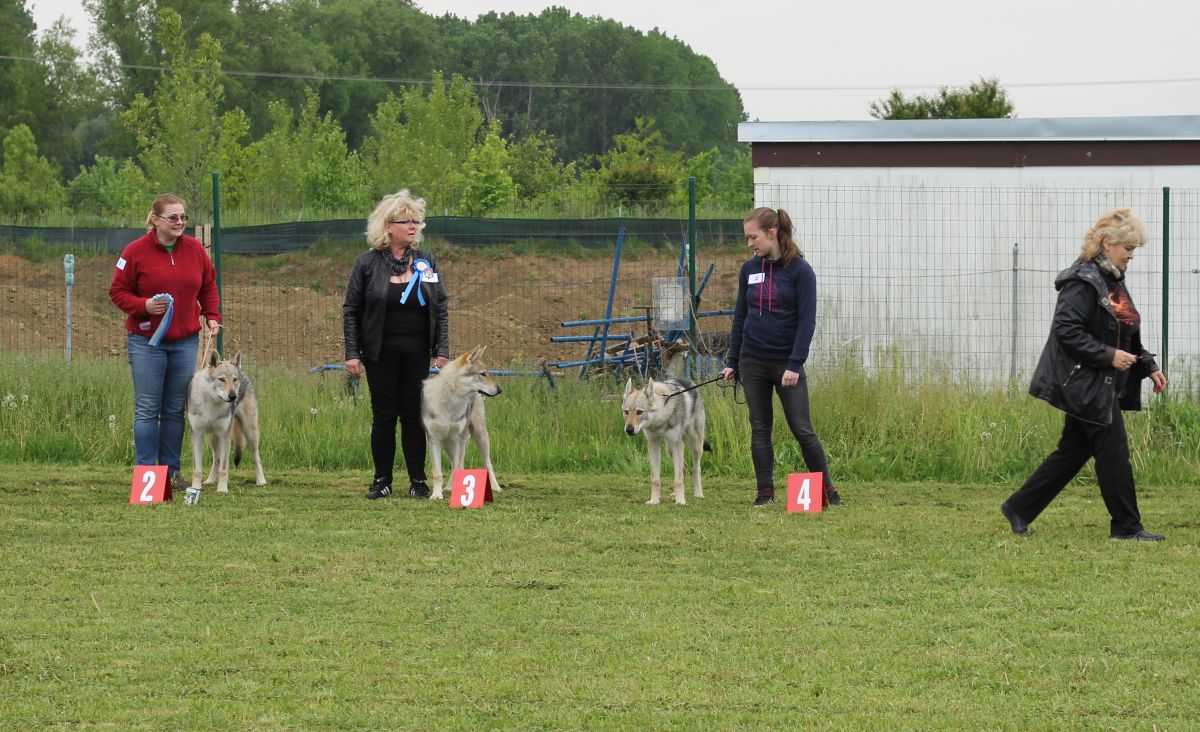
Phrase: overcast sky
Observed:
(796, 60)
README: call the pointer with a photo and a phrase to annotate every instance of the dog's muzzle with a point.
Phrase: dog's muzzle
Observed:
(498, 392)
(630, 431)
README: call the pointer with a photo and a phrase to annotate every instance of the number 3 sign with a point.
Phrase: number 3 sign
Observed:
(150, 485)
(804, 493)
(470, 488)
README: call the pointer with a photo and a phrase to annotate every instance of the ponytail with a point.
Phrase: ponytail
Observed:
(778, 219)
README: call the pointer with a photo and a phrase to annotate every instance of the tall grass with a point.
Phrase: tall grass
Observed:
(875, 427)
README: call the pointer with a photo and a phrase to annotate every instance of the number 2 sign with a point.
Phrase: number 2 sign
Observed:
(470, 488)
(150, 485)
(804, 493)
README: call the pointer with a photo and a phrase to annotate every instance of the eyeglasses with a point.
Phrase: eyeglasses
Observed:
(405, 222)
(174, 218)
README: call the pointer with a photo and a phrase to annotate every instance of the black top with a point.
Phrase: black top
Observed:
(405, 325)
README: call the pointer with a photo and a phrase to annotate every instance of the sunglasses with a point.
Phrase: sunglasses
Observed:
(174, 218)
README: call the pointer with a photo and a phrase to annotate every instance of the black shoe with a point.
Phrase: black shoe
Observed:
(380, 488)
(763, 499)
(1142, 535)
(418, 489)
(832, 498)
(1019, 526)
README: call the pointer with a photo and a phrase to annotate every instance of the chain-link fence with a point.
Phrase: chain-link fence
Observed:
(946, 281)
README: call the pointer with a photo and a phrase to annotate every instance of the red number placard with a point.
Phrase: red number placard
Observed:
(470, 488)
(804, 493)
(150, 484)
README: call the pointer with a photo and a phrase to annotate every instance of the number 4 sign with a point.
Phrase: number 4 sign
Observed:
(150, 484)
(804, 493)
(470, 488)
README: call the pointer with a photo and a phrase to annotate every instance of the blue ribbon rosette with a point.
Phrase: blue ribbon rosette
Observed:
(420, 268)
(165, 323)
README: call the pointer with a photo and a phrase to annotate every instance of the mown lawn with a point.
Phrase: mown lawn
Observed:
(568, 604)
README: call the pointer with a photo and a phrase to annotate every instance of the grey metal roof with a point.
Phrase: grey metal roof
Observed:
(1179, 127)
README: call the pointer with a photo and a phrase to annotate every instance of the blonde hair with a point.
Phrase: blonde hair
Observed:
(1118, 227)
(160, 204)
(778, 219)
(396, 206)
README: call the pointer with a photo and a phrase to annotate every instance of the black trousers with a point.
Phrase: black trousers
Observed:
(760, 378)
(395, 382)
(1081, 441)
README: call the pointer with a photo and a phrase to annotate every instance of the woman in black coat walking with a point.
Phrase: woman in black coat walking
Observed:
(1091, 368)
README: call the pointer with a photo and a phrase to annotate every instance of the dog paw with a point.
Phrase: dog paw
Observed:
(653, 502)
(222, 489)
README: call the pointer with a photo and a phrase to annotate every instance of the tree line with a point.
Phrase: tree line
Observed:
(340, 101)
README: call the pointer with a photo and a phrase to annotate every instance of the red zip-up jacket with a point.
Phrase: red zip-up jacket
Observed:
(186, 273)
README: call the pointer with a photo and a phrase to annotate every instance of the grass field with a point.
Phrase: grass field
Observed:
(568, 604)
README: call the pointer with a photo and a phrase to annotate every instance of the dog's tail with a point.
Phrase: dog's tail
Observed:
(707, 447)
(239, 441)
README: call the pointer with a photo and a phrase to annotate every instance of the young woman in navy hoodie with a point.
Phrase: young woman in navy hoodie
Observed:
(773, 324)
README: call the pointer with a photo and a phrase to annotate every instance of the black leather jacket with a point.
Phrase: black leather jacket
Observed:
(365, 306)
(1075, 372)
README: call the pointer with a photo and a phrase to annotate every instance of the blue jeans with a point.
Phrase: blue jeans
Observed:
(160, 385)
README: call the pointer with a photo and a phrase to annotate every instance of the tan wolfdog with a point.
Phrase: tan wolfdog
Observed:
(222, 406)
(670, 410)
(452, 411)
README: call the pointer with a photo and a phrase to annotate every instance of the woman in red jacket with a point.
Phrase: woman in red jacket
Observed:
(163, 282)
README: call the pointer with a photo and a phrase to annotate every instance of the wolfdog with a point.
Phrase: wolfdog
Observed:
(452, 410)
(664, 410)
(222, 405)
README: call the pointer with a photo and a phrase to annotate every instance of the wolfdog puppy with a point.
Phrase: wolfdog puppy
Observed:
(452, 410)
(222, 406)
(664, 411)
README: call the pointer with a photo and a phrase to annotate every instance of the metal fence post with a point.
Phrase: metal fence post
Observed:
(69, 274)
(216, 251)
(692, 370)
(1166, 296)
(1012, 369)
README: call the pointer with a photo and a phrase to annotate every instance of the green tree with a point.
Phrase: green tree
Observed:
(483, 183)
(535, 168)
(982, 99)
(420, 139)
(19, 80)
(28, 182)
(576, 63)
(639, 171)
(106, 190)
(304, 160)
(181, 136)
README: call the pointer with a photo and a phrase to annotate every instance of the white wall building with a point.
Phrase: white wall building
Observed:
(937, 241)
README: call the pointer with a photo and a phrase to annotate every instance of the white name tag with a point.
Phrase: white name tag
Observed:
(121, 263)
(430, 276)
(756, 279)
(144, 325)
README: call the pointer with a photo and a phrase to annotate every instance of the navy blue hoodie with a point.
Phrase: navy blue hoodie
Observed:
(776, 312)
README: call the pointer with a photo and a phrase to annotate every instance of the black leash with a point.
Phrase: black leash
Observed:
(693, 386)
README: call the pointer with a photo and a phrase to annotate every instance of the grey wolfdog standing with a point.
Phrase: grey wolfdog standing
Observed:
(662, 410)
(452, 410)
(222, 406)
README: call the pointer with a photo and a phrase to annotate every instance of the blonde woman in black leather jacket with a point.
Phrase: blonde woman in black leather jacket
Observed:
(395, 324)
(1091, 368)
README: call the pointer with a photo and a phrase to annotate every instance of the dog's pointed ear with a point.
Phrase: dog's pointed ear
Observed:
(629, 386)
(237, 359)
(476, 353)
(650, 389)
(214, 358)
(463, 359)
